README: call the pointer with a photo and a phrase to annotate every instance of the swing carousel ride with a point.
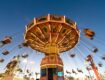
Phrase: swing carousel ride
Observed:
(53, 36)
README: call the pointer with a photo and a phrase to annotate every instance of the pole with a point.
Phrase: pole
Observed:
(95, 71)
(90, 59)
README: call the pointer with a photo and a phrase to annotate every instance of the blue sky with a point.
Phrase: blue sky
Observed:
(15, 14)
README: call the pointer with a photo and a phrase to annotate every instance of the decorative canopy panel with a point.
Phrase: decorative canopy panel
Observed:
(51, 61)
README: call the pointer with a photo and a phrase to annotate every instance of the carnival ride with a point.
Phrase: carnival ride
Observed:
(55, 35)
(52, 35)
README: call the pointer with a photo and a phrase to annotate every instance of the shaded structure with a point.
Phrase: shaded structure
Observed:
(10, 68)
(52, 35)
